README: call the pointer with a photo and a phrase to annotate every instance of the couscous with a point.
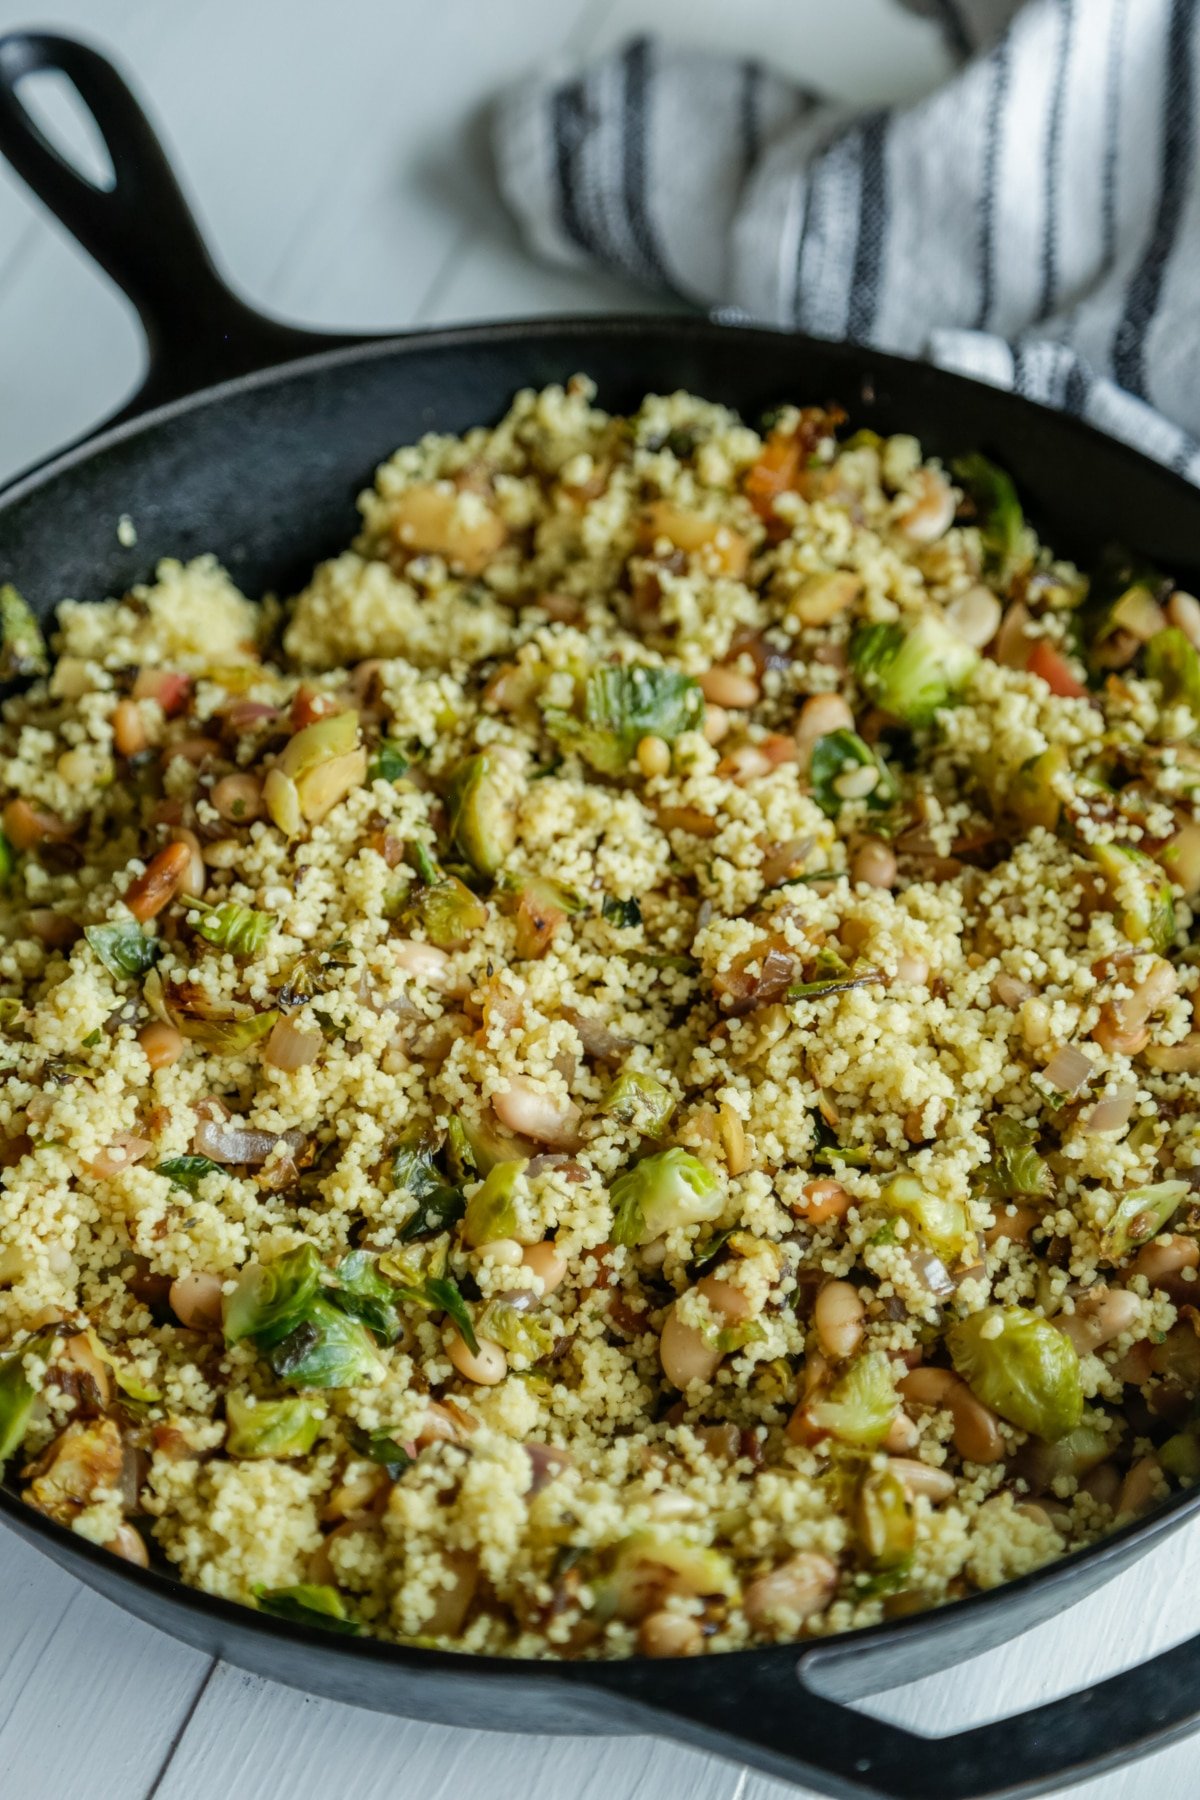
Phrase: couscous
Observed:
(619, 1074)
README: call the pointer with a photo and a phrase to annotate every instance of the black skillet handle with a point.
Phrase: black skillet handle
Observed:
(140, 230)
(763, 1710)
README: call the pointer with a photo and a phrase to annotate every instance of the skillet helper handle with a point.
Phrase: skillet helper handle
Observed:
(771, 1716)
(140, 229)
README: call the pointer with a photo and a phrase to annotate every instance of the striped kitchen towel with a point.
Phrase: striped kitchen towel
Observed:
(1035, 222)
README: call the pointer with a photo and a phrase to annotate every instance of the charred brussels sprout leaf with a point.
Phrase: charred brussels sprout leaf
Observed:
(307, 1604)
(327, 1349)
(229, 926)
(361, 1291)
(844, 768)
(911, 671)
(1039, 787)
(640, 1101)
(445, 909)
(1017, 1171)
(1140, 894)
(660, 1192)
(516, 1331)
(124, 949)
(258, 1428)
(1022, 1366)
(17, 1393)
(441, 1293)
(8, 863)
(389, 763)
(272, 1299)
(943, 1223)
(622, 706)
(481, 816)
(887, 1526)
(381, 1447)
(226, 1027)
(439, 1204)
(862, 1403)
(22, 646)
(492, 1211)
(1172, 661)
(621, 913)
(1139, 1216)
(997, 513)
(187, 1172)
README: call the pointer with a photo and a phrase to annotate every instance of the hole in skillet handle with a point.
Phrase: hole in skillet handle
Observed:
(764, 1708)
(138, 226)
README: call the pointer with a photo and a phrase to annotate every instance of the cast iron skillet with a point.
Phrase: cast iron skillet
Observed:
(262, 468)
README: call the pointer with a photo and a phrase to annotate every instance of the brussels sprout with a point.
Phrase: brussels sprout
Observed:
(307, 1604)
(661, 1192)
(439, 1205)
(442, 1294)
(187, 1172)
(1021, 1366)
(943, 1224)
(1141, 897)
(388, 763)
(318, 766)
(224, 1027)
(911, 671)
(17, 1393)
(1036, 793)
(1171, 660)
(481, 817)
(379, 1446)
(1017, 1171)
(998, 514)
(844, 768)
(446, 910)
(22, 646)
(1041, 1464)
(271, 1299)
(327, 1349)
(517, 1331)
(1180, 1457)
(270, 1427)
(641, 1101)
(8, 865)
(333, 736)
(1139, 1216)
(491, 1211)
(886, 1520)
(362, 1291)
(862, 1403)
(652, 1564)
(238, 929)
(621, 913)
(622, 706)
(123, 948)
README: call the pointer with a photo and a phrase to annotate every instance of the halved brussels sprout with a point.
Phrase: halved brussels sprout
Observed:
(1041, 1463)
(327, 1349)
(362, 1292)
(1038, 788)
(998, 514)
(491, 1211)
(481, 815)
(1017, 1171)
(886, 1519)
(239, 929)
(226, 1027)
(640, 1101)
(439, 1203)
(22, 647)
(307, 1604)
(332, 736)
(651, 1564)
(270, 1427)
(1139, 1216)
(1172, 661)
(17, 1393)
(861, 1404)
(123, 948)
(522, 1333)
(1141, 897)
(446, 910)
(271, 1299)
(622, 706)
(910, 671)
(1180, 1456)
(1022, 1366)
(944, 1224)
(661, 1192)
(323, 762)
(542, 905)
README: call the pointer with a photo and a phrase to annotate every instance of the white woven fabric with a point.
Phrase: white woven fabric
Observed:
(1035, 222)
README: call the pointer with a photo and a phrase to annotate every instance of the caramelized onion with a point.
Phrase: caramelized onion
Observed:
(1068, 1069)
(240, 1145)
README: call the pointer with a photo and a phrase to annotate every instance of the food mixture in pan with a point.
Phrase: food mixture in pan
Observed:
(619, 1074)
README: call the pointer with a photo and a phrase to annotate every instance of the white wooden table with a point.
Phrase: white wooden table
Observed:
(335, 158)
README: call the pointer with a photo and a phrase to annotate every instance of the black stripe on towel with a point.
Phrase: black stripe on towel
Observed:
(953, 29)
(872, 228)
(991, 165)
(1112, 134)
(638, 79)
(1053, 165)
(1145, 290)
(571, 125)
(749, 123)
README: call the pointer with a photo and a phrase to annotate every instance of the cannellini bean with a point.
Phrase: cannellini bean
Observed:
(1103, 1483)
(238, 798)
(874, 862)
(797, 1589)
(822, 1200)
(976, 1428)
(196, 1300)
(1176, 1059)
(930, 513)
(130, 1546)
(726, 1297)
(442, 1426)
(432, 519)
(653, 756)
(1141, 1487)
(1100, 1316)
(838, 1317)
(195, 875)
(975, 615)
(1183, 611)
(902, 1434)
(716, 723)
(487, 1368)
(453, 1596)
(424, 961)
(161, 1044)
(547, 1263)
(162, 878)
(819, 716)
(669, 1634)
(1010, 990)
(530, 1112)
(129, 730)
(1016, 1223)
(505, 1253)
(823, 595)
(684, 1355)
(921, 1478)
(913, 969)
(727, 688)
(1166, 1256)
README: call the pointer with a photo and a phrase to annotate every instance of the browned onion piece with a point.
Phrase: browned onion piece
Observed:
(932, 1272)
(289, 1048)
(546, 1462)
(597, 1039)
(1068, 1069)
(240, 1145)
(1111, 1113)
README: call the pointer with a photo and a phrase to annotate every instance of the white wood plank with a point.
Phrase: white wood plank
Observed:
(87, 1694)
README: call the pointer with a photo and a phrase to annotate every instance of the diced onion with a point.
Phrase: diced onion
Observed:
(1068, 1069)
(289, 1048)
(240, 1146)
(1111, 1113)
